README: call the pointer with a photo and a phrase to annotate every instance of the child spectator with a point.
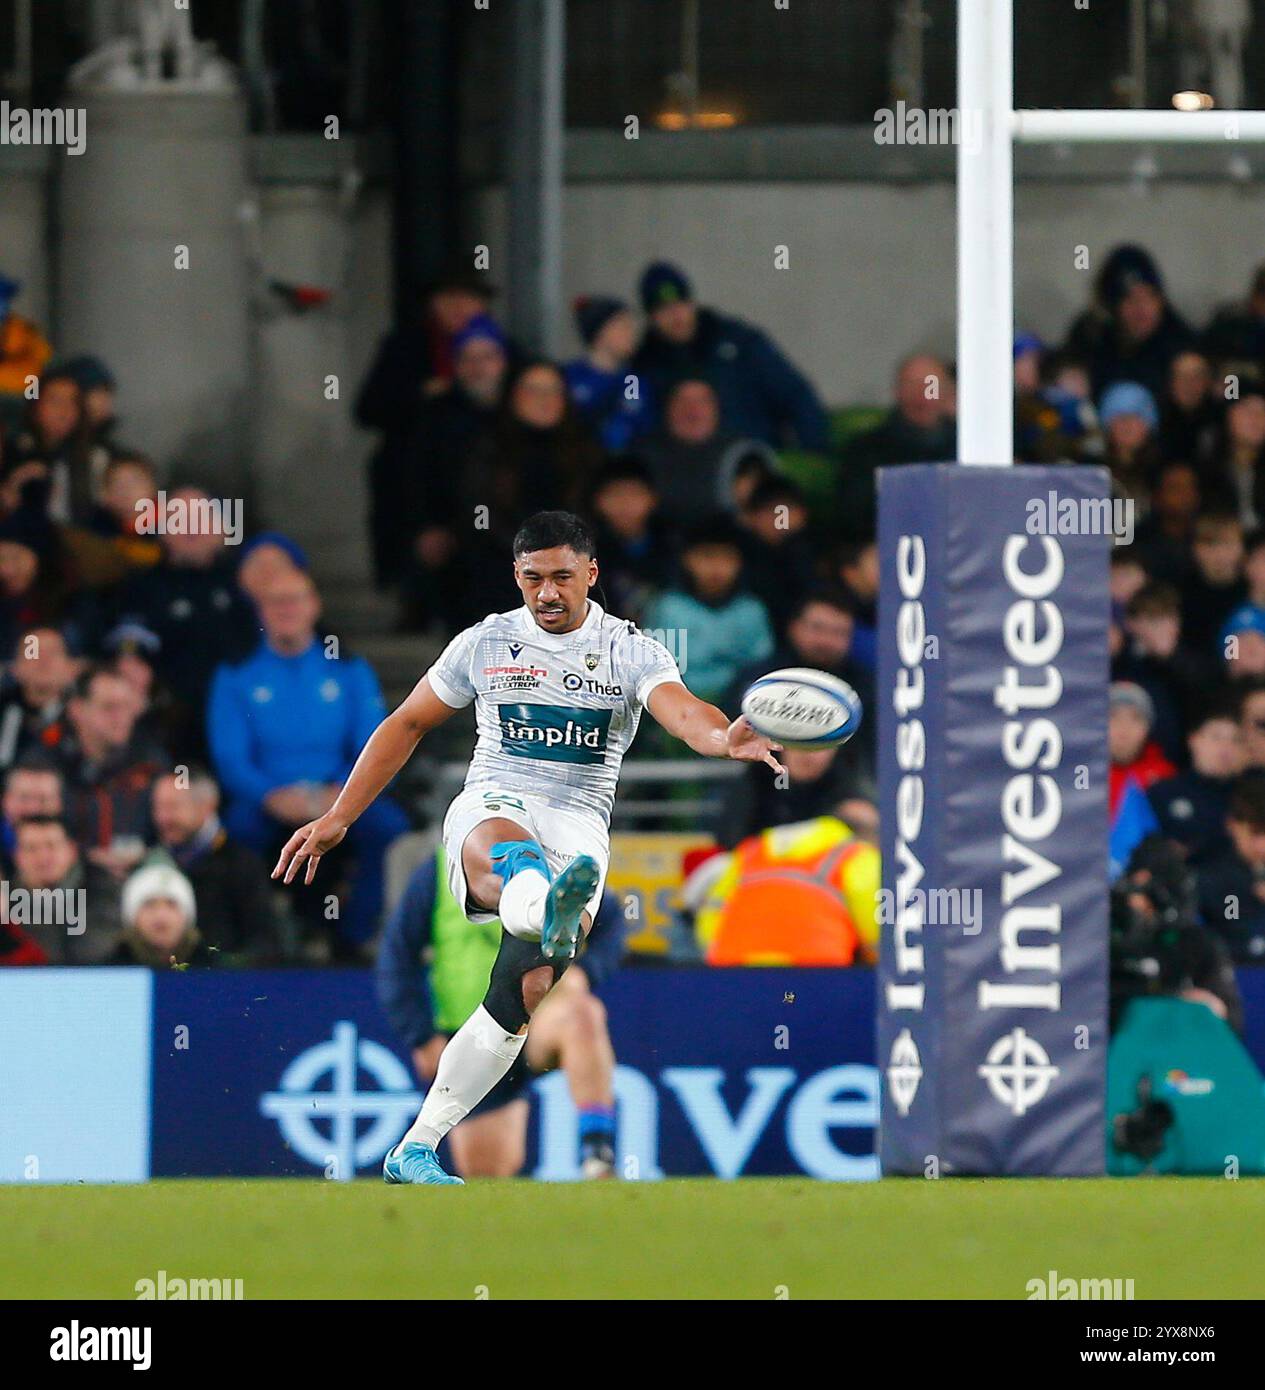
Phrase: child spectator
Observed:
(616, 403)
(1216, 588)
(160, 921)
(1135, 757)
(722, 626)
(1191, 806)
(857, 570)
(1176, 678)
(635, 546)
(779, 563)
(1129, 420)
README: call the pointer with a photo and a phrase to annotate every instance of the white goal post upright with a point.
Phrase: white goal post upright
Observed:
(988, 125)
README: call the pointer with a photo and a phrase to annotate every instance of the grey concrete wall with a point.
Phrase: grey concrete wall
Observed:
(24, 229)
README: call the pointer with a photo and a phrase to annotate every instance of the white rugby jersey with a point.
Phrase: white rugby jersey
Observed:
(556, 712)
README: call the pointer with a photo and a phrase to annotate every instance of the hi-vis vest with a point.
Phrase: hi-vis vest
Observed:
(804, 894)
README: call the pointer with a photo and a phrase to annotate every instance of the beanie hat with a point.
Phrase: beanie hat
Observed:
(662, 283)
(1128, 266)
(1127, 398)
(482, 326)
(593, 313)
(1131, 694)
(158, 880)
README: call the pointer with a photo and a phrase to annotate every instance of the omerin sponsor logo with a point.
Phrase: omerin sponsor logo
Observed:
(514, 677)
(555, 733)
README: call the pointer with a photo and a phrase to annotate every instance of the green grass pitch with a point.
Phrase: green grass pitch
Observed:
(754, 1238)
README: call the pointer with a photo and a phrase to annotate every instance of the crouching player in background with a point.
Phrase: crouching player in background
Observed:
(433, 970)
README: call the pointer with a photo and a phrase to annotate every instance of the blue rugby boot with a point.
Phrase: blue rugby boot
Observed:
(417, 1163)
(568, 895)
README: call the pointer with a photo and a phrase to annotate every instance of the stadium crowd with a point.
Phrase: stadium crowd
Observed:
(171, 707)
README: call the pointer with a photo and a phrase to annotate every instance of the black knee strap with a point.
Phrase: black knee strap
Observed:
(504, 999)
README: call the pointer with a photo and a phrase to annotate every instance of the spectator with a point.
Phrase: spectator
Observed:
(1235, 472)
(285, 726)
(761, 394)
(538, 455)
(34, 694)
(918, 429)
(1243, 643)
(1133, 333)
(235, 911)
(857, 570)
(1165, 535)
(1189, 416)
(1129, 420)
(24, 352)
(1216, 588)
(1127, 573)
(32, 787)
(34, 588)
(190, 602)
(1135, 758)
(1191, 806)
(265, 558)
(1040, 424)
(1235, 339)
(98, 390)
(69, 908)
(817, 781)
(54, 432)
(450, 423)
(1231, 885)
(160, 921)
(616, 404)
(1176, 678)
(721, 623)
(129, 489)
(694, 463)
(779, 563)
(415, 364)
(635, 546)
(109, 770)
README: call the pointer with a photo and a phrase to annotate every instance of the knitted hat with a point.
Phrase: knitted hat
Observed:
(158, 880)
(662, 283)
(1128, 398)
(594, 312)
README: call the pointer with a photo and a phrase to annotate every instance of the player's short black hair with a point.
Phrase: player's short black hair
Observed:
(551, 531)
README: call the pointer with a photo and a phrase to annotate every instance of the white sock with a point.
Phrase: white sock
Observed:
(522, 905)
(478, 1054)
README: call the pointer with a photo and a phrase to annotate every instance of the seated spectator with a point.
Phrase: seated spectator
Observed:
(190, 602)
(768, 907)
(34, 586)
(1235, 339)
(34, 694)
(1135, 758)
(761, 394)
(54, 432)
(1129, 419)
(1191, 806)
(1163, 539)
(857, 570)
(431, 567)
(109, 770)
(265, 558)
(1177, 678)
(779, 562)
(1127, 573)
(1235, 469)
(616, 404)
(1132, 333)
(1216, 588)
(1243, 643)
(692, 460)
(131, 651)
(160, 921)
(128, 483)
(819, 635)
(97, 389)
(817, 781)
(1065, 388)
(24, 351)
(721, 624)
(1040, 435)
(33, 786)
(1231, 885)
(230, 882)
(919, 429)
(284, 727)
(69, 908)
(1190, 414)
(635, 545)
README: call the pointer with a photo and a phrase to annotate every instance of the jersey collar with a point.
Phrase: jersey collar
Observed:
(555, 640)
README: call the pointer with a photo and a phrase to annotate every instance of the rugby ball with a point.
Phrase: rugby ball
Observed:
(801, 708)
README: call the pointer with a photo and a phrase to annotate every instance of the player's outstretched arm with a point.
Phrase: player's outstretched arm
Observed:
(388, 749)
(706, 729)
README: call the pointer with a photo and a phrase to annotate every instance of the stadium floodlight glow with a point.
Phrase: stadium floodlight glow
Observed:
(986, 271)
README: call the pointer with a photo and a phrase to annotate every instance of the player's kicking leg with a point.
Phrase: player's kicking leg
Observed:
(506, 874)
